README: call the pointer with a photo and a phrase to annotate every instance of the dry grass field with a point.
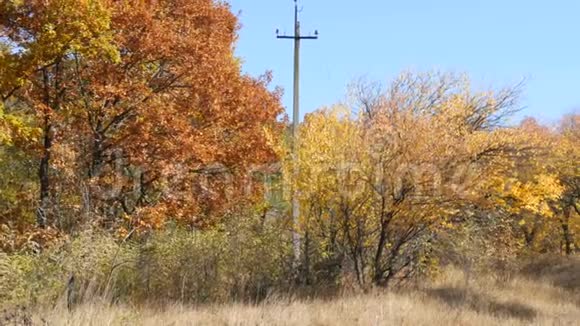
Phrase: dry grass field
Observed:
(546, 295)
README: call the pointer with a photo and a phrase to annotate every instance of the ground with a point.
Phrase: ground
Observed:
(543, 295)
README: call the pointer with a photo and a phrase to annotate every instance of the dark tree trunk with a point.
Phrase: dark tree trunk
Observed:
(306, 268)
(385, 220)
(51, 104)
(380, 248)
(566, 235)
(43, 172)
(44, 167)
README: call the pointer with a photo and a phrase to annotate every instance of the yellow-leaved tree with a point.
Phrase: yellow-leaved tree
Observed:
(38, 43)
(529, 189)
(567, 156)
(379, 180)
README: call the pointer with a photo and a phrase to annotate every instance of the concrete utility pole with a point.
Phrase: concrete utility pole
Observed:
(295, 121)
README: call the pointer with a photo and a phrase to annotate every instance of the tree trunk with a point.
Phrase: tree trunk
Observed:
(380, 248)
(43, 171)
(43, 174)
(385, 221)
(566, 235)
(51, 104)
(306, 268)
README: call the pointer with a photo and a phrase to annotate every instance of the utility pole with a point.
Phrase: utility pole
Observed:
(295, 121)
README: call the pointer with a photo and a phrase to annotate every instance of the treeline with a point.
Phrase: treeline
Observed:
(137, 160)
(426, 172)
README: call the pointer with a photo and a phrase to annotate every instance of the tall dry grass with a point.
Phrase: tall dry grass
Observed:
(450, 300)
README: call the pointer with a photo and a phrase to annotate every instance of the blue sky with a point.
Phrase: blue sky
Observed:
(497, 42)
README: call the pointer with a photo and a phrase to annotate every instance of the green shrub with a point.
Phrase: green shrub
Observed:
(239, 260)
(244, 258)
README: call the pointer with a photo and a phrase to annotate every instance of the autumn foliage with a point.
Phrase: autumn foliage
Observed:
(129, 126)
(386, 178)
(120, 106)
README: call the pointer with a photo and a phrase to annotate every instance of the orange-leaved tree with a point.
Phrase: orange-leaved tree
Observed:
(138, 103)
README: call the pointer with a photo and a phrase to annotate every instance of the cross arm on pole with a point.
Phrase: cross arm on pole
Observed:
(297, 37)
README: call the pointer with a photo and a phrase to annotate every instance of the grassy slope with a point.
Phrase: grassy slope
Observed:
(548, 293)
(449, 301)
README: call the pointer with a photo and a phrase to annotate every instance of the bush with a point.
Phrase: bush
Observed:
(240, 260)
(245, 258)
